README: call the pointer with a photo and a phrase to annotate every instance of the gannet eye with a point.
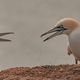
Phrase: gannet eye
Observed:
(61, 26)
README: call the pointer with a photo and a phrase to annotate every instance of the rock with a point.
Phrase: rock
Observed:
(46, 72)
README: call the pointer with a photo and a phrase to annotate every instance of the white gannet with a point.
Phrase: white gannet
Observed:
(70, 27)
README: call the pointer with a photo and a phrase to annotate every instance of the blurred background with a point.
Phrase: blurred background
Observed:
(28, 19)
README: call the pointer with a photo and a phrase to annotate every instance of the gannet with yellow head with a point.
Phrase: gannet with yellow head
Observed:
(70, 27)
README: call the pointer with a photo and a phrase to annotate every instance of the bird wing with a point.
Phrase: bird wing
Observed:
(4, 40)
(6, 33)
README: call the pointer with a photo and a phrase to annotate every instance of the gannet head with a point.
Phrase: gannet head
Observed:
(64, 26)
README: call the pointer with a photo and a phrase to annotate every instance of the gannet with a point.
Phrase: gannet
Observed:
(71, 28)
(3, 34)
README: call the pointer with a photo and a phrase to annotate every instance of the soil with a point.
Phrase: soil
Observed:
(46, 72)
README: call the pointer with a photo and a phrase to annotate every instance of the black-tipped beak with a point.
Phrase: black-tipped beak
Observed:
(57, 31)
(3, 34)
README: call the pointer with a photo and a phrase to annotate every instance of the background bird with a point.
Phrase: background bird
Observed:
(3, 34)
(71, 28)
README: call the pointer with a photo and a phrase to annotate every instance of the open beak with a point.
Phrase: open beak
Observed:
(3, 34)
(57, 31)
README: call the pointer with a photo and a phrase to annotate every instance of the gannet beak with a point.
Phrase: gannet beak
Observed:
(3, 34)
(57, 31)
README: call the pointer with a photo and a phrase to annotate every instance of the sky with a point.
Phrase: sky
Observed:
(28, 19)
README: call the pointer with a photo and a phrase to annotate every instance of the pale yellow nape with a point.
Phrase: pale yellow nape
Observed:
(69, 23)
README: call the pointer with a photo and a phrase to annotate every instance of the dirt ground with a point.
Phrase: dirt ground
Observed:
(47, 72)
